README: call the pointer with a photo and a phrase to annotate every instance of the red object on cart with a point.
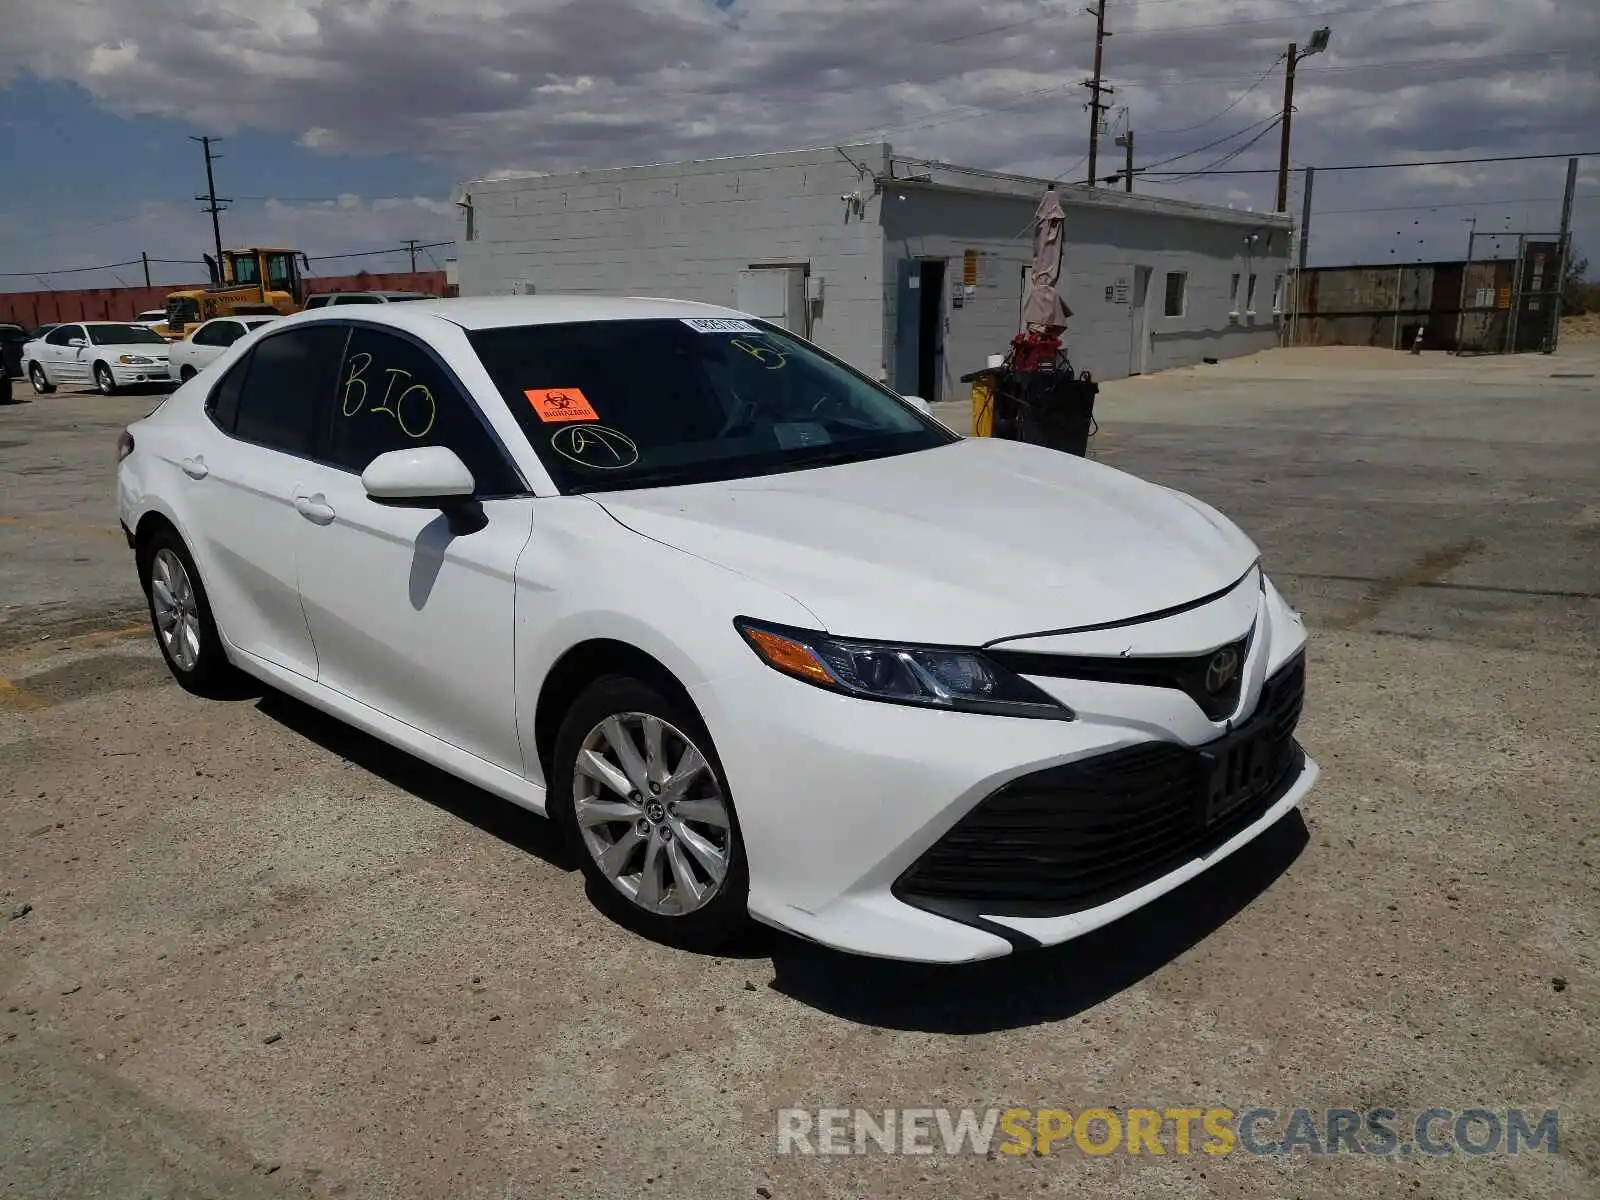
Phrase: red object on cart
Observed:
(1033, 351)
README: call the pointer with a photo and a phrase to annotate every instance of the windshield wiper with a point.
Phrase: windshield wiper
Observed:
(706, 472)
(642, 480)
(829, 458)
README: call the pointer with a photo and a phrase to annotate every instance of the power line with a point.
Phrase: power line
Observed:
(1161, 162)
(72, 270)
(1233, 104)
(1292, 17)
(1228, 157)
(1436, 162)
(367, 253)
(1387, 208)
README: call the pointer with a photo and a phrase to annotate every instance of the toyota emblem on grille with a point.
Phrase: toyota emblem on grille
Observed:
(1222, 669)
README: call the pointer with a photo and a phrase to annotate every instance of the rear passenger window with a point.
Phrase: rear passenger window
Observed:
(393, 395)
(223, 403)
(290, 379)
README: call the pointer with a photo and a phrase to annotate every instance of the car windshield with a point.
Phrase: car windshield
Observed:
(258, 323)
(124, 335)
(645, 403)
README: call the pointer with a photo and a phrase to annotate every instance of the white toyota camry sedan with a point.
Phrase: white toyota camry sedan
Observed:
(765, 639)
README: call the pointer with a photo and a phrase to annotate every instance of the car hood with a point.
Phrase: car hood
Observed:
(144, 348)
(966, 544)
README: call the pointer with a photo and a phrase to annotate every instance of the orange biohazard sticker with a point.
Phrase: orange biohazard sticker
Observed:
(561, 404)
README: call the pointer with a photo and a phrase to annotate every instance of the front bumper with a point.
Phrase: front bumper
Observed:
(893, 831)
(131, 373)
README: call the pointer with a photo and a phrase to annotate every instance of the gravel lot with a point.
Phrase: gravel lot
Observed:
(267, 957)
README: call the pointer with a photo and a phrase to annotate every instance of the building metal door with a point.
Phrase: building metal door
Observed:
(930, 339)
(1139, 323)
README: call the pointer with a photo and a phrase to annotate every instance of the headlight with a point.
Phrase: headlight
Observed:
(135, 360)
(929, 676)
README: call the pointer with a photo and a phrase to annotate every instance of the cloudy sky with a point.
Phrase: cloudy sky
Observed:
(347, 121)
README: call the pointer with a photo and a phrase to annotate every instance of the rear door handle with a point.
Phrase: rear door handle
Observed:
(315, 509)
(195, 468)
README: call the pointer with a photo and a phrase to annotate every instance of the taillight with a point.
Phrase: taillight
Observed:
(124, 445)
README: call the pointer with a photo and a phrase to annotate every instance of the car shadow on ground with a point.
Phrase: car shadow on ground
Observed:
(1030, 988)
(517, 827)
(1040, 986)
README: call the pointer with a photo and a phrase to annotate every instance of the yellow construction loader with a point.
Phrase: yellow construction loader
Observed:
(251, 280)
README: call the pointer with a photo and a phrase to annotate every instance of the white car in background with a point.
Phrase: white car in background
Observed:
(107, 354)
(762, 637)
(200, 349)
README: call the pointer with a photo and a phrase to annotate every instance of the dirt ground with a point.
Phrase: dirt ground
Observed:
(245, 952)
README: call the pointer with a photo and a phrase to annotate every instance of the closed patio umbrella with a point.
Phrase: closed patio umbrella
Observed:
(1044, 308)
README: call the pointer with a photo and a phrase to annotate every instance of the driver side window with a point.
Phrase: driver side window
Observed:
(394, 395)
(62, 334)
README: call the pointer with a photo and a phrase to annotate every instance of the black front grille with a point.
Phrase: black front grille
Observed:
(1190, 675)
(1071, 837)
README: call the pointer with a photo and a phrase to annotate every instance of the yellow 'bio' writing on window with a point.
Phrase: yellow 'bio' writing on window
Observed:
(422, 409)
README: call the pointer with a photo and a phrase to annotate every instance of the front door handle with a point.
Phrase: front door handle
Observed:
(315, 509)
(195, 468)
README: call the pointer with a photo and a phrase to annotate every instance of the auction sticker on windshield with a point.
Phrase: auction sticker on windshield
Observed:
(718, 325)
(561, 404)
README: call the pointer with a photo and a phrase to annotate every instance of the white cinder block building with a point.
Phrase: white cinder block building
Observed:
(912, 271)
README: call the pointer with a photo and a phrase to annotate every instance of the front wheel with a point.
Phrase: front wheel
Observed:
(638, 790)
(41, 385)
(104, 380)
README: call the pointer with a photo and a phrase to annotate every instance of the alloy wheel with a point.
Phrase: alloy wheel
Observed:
(652, 814)
(177, 615)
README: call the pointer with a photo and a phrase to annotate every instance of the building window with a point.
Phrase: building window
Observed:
(1250, 298)
(1177, 293)
(1233, 294)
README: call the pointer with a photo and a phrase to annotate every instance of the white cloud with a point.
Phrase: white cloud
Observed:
(988, 82)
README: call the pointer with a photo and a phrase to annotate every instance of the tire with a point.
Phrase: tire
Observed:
(185, 373)
(104, 380)
(662, 845)
(180, 616)
(41, 384)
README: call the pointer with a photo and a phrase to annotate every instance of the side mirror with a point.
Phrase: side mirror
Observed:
(76, 343)
(426, 477)
(918, 403)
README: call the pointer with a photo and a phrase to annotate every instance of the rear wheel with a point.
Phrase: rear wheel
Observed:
(104, 380)
(638, 790)
(41, 385)
(180, 614)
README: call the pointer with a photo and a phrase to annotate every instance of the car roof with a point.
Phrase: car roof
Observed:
(497, 312)
(373, 293)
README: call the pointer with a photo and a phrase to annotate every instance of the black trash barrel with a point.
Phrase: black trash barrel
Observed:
(1046, 408)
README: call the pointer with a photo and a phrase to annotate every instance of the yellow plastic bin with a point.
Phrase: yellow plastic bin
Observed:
(983, 383)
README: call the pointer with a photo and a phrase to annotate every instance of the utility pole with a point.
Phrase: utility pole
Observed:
(145, 258)
(1318, 43)
(1466, 270)
(1096, 88)
(1125, 140)
(214, 202)
(1564, 251)
(1287, 120)
(1300, 261)
(411, 245)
